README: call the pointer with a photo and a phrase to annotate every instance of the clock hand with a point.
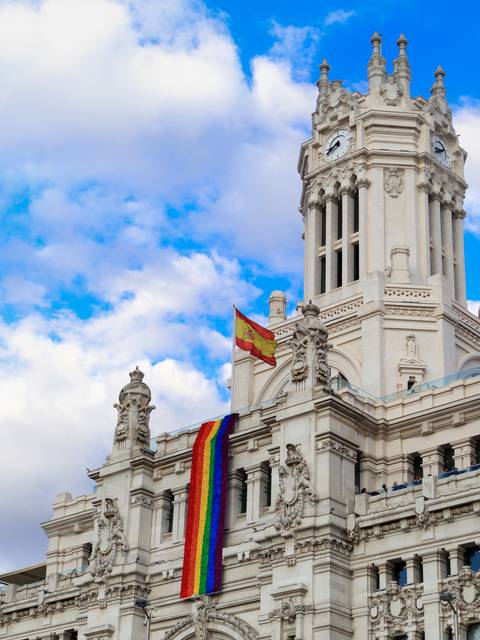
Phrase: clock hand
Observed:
(439, 149)
(334, 146)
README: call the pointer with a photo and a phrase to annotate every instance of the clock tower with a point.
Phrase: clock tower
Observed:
(382, 204)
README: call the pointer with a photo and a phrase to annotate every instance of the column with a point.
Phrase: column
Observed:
(347, 229)
(362, 186)
(256, 477)
(456, 559)
(162, 507)
(435, 234)
(432, 573)
(234, 488)
(447, 236)
(312, 244)
(413, 569)
(384, 574)
(180, 497)
(423, 241)
(460, 291)
(330, 242)
(464, 453)
(432, 461)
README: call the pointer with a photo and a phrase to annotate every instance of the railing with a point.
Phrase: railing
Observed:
(433, 384)
(338, 384)
(241, 412)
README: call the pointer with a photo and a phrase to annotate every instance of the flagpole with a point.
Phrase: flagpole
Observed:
(232, 378)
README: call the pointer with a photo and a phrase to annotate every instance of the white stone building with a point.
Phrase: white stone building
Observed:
(354, 497)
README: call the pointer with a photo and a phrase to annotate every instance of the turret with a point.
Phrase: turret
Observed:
(376, 65)
(134, 408)
(402, 66)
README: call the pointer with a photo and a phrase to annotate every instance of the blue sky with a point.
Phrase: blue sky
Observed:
(148, 181)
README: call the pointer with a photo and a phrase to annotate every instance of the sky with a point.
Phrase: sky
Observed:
(148, 181)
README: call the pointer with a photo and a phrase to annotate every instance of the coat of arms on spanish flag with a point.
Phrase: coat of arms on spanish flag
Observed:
(252, 337)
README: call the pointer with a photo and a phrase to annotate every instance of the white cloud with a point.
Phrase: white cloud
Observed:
(338, 17)
(297, 45)
(467, 124)
(114, 112)
(60, 376)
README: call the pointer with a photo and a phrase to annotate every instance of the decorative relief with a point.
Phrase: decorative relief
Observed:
(204, 612)
(309, 351)
(330, 444)
(470, 320)
(110, 539)
(424, 520)
(408, 292)
(333, 98)
(418, 312)
(327, 543)
(394, 181)
(134, 410)
(295, 489)
(289, 610)
(397, 608)
(141, 497)
(466, 591)
(391, 91)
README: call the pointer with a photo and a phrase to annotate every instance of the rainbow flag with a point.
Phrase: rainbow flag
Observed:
(202, 559)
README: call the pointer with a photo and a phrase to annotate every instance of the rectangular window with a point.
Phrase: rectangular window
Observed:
(472, 558)
(357, 472)
(323, 229)
(168, 495)
(339, 218)
(323, 274)
(242, 494)
(356, 262)
(339, 267)
(399, 572)
(356, 213)
(267, 485)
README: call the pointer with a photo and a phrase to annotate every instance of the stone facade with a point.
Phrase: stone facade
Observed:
(349, 511)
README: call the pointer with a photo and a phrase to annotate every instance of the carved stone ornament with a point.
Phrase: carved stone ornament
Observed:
(394, 181)
(396, 609)
(134, 410)
(309, 350)
(295, 489)
(111, 540)
(289, 610)
(205, 612)
(391, 91)
(465, 588)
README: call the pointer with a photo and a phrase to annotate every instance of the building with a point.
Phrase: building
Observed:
(354, 497)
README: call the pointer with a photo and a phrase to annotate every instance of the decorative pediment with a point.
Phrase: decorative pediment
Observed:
(205, 618)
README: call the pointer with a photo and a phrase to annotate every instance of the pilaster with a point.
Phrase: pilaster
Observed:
(180, 498)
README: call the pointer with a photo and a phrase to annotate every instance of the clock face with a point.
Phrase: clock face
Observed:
(439, 150)
(337, 145)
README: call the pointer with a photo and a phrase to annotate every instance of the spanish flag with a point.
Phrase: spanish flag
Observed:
(252, 337)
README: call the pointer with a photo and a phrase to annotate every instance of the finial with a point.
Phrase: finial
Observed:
(402, 45)
(324, 69)
(376, 65)
(438, 88)
(136, 375)
(439, 74)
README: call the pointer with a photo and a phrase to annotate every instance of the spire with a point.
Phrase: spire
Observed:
(402, 66)
(438, 88)
(322, 83)
(376, 65)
